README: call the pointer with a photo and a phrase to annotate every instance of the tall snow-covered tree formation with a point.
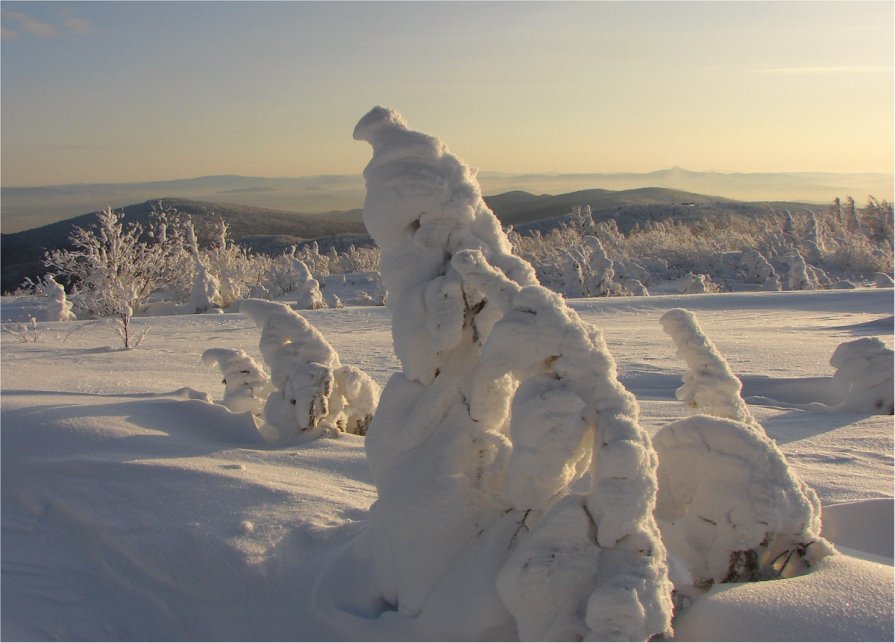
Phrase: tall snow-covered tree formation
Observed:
(516, 486)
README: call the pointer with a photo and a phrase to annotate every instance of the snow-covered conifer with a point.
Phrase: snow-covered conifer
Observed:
(246, 384)
(306, 288)
(58, 308)
(505, 402)
(601, 272)
(729, 506)
(798, 272)
(313, 392)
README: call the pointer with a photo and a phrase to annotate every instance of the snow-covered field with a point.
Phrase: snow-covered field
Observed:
(134, 507)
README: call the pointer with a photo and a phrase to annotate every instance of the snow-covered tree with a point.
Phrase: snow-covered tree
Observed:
(515, 484)
(58, 307)
(114, 271)
(246, 384)
(708, 382)
(314, 392)
(729, 506)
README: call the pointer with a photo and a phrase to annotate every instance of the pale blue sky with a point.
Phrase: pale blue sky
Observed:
(111, 92)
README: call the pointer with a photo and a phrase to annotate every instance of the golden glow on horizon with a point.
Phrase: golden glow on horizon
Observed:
(154, 91)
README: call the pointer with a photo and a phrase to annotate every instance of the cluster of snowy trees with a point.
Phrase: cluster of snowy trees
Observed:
(115, 270)
(780, 250)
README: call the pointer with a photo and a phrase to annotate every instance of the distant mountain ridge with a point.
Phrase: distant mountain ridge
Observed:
(272, 231)
(28, 207)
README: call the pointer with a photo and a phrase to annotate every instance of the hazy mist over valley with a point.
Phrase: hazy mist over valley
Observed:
(23, 208)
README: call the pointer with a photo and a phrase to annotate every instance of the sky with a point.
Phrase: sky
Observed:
(113, 92)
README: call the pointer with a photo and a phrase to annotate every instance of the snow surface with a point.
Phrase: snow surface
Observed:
(132, 510)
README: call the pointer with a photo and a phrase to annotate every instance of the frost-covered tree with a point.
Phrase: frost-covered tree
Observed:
(515, 484)
(205, 294)
(246, 384)
(708, 382)
(306, 288)
(601, 271)
(58, 307)
(313, 392)
(113, 269)
(729, 506)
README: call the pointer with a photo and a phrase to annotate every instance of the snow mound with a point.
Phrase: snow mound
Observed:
(843, 599)
(864, 525)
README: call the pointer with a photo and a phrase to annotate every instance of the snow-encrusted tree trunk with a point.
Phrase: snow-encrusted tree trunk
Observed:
(505, 403)
(729, 506)
(313, 391)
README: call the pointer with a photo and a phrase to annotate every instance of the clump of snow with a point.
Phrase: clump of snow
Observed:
(708, 383)
(313, 392)
(864, 376)
(511, 469)
(246, 384)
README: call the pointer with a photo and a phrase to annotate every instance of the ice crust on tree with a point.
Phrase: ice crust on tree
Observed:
(313, 391)
(506, 437)
(729, 506)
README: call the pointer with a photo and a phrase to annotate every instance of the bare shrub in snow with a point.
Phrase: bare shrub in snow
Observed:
(515, 484)
(246, 384)
(864, 376)
(729, 506)
(313, 392)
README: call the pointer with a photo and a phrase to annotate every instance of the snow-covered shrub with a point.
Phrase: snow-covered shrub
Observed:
(307, 289)
(113, 270)
(882, 280)
(601, 271)
(694, 284)
(798, 273)
(864, 376)
(515, 484)
(756, 269)
(246, 385)
(313, 391)
(58, 307)
(729, 506)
